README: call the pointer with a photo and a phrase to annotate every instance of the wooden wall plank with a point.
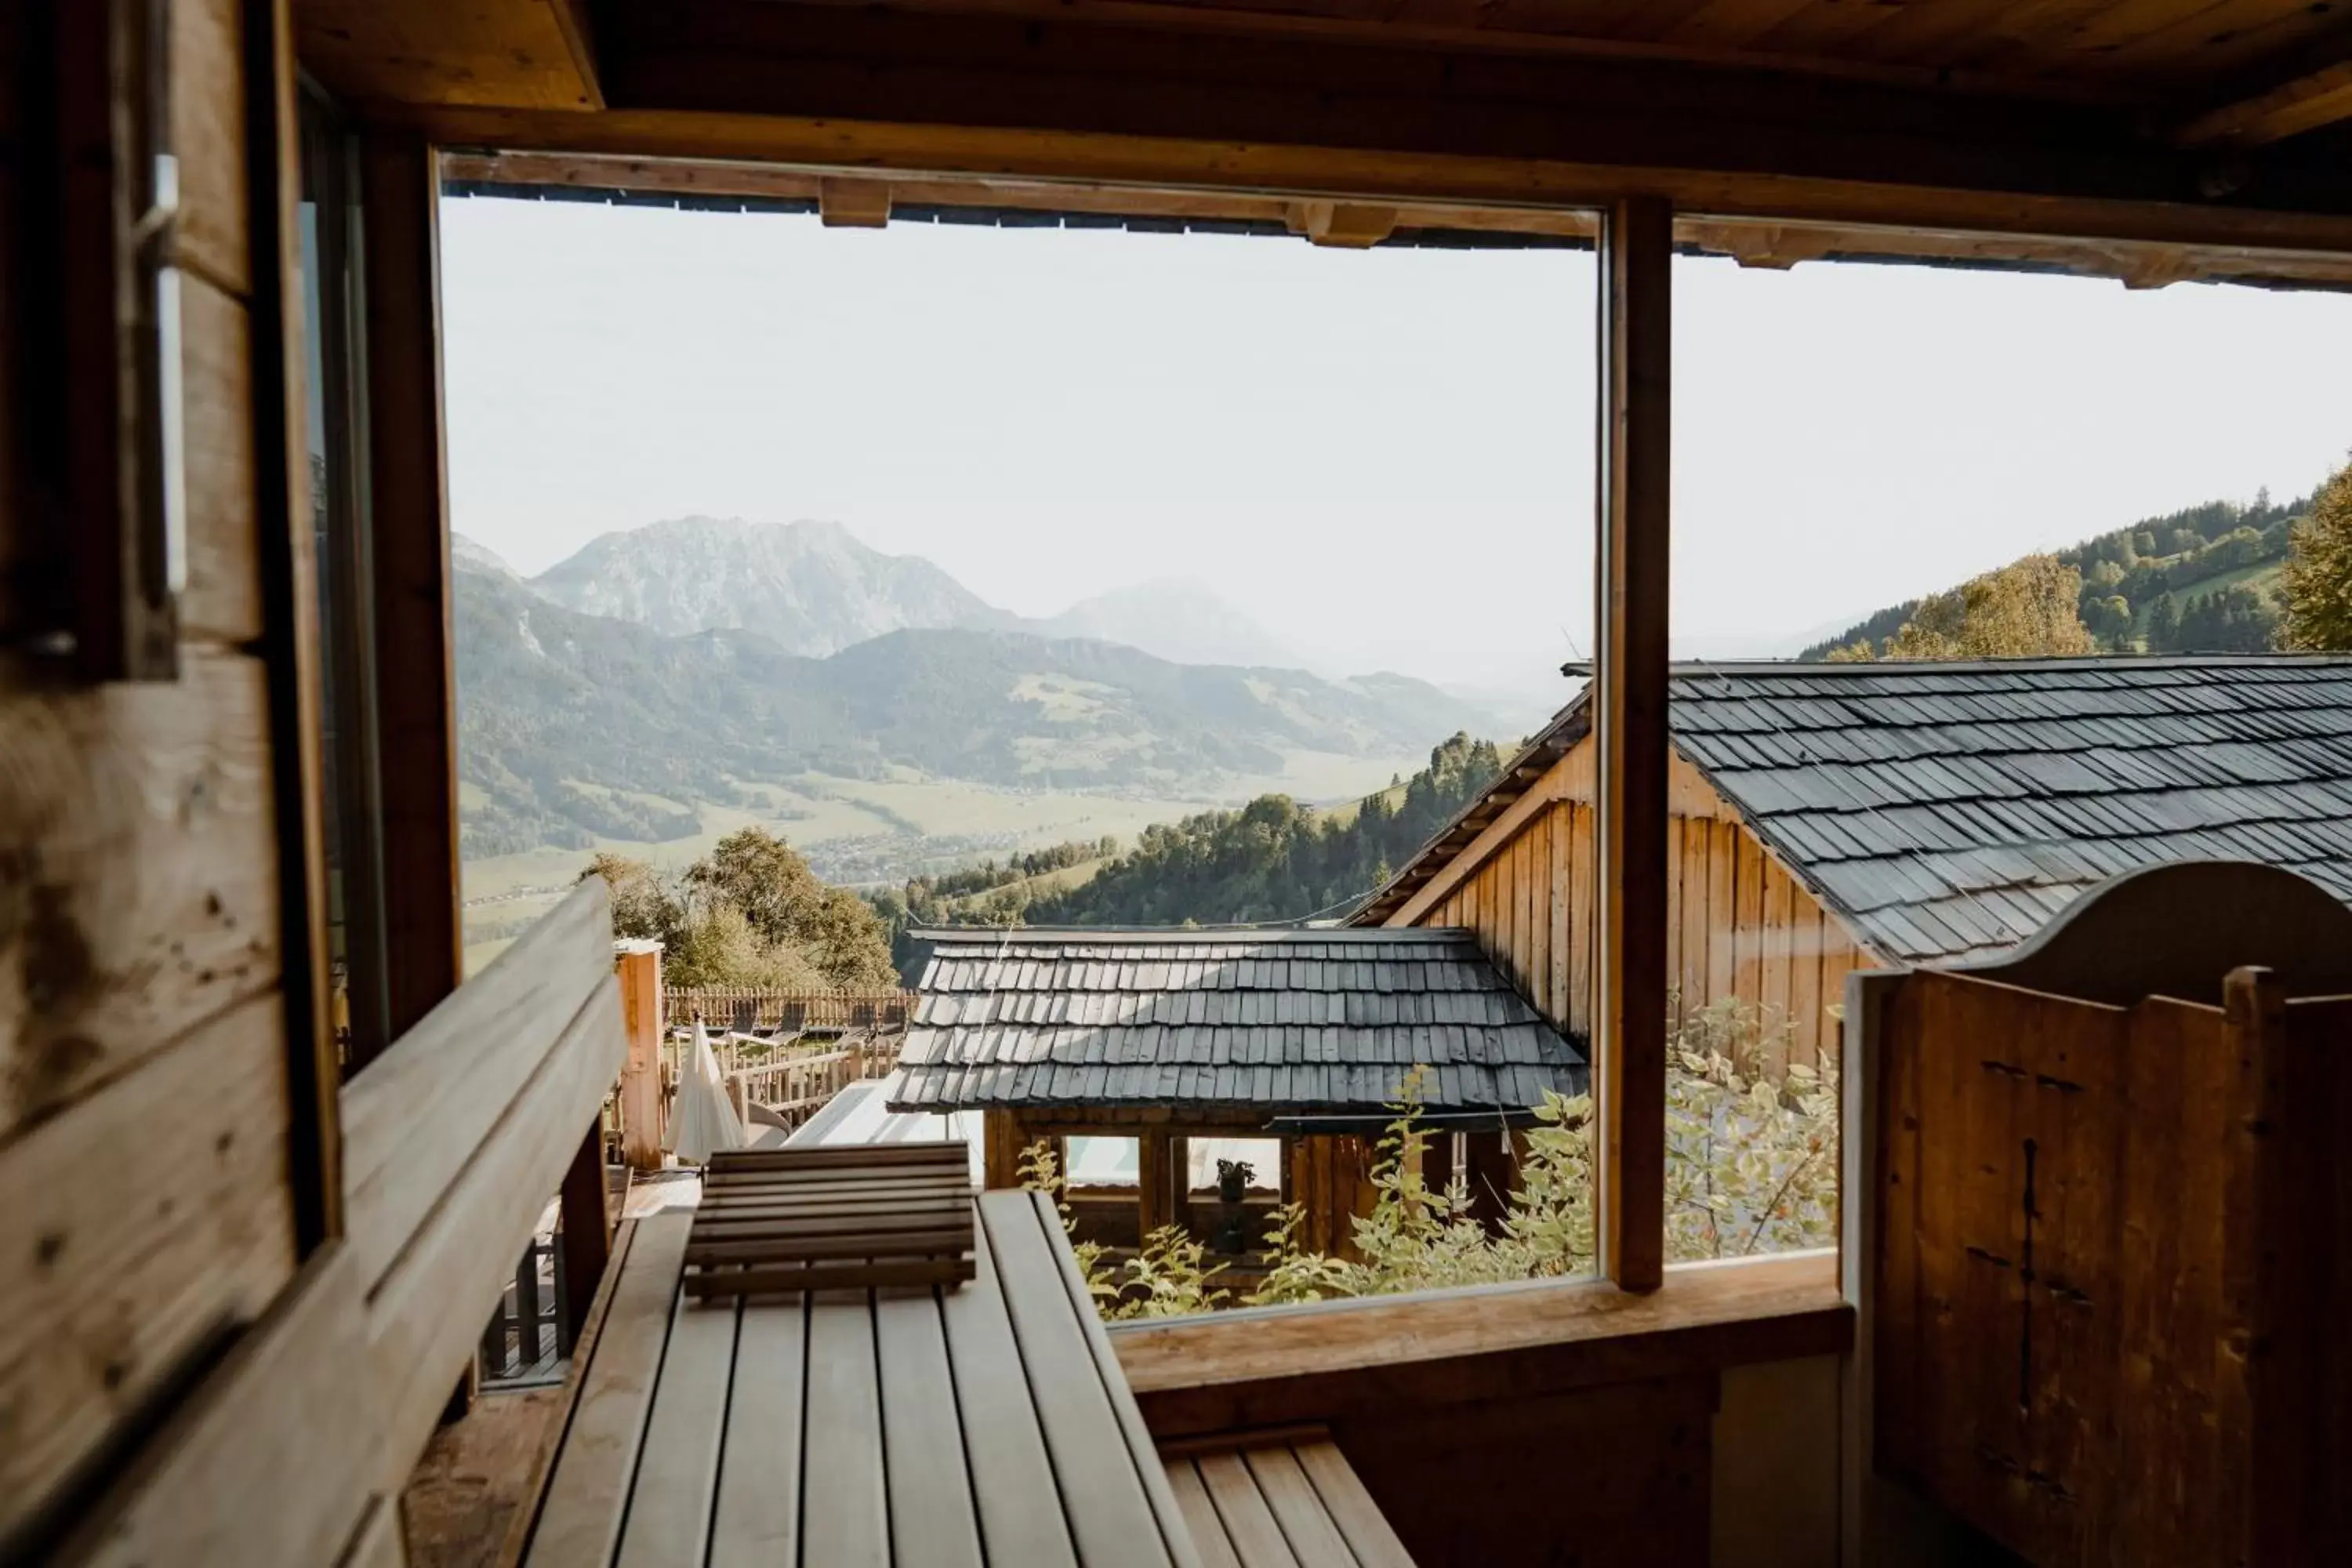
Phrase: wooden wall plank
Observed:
(1748, 921)
(1804, 978)
(1722, 910)
(1557, 824)
(1698, 837)
(1773, 978)
(1582, 890)
(146, 900)
(246, 1471)
(157, 1217)
(223, 601)
(208, 130)
(1540, 913)
(1674, 835)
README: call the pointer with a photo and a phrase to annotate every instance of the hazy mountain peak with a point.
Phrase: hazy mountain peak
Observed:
(472, 555)
(812, 586)
(1182, 619)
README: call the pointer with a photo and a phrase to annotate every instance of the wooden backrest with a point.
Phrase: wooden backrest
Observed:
(2103, 1266)
(290, 1449)
(2175, 930)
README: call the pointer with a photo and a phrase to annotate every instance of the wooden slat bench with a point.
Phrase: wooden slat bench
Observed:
(981, 1424)
(1279, 1500)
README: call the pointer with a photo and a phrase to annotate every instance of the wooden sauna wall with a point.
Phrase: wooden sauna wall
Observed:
(144, 1086)
(1740, 925)
(2110, 1304)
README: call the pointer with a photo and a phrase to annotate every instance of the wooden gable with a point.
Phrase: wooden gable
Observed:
(1742, 924)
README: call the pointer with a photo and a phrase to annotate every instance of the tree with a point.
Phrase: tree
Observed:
(2028, 608)
(748, 913)
(642, 905)
(2316, 582)
(2163, 625)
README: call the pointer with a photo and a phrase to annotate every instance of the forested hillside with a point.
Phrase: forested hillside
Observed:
(1273, 859)
(2202, 580)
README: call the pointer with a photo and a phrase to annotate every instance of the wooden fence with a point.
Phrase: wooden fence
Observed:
(793, 1085)
(789, 1075)
(746, 1007)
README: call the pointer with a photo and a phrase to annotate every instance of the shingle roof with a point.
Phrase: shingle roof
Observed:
(1947, 810)
(1274, 1021)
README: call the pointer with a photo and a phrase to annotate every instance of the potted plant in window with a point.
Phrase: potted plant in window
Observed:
(1233, 1179)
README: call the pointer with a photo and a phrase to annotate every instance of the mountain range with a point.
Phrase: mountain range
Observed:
(608, 695)
(813, 587)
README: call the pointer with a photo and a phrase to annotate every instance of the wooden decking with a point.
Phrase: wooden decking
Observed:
(1280, 1500)
(983, 1425)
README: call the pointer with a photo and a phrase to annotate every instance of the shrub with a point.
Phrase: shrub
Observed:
(1166, 1279)
(1751, 1166)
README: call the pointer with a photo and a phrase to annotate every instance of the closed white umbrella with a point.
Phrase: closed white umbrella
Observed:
(705, 1122)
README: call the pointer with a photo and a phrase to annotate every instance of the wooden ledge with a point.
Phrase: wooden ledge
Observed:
(1267, 1366)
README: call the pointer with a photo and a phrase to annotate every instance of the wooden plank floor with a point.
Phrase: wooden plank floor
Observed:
(984, 1426)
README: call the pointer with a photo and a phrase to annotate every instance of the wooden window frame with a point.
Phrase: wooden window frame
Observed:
(1629, 730)
(1634, 246)
(343, 569)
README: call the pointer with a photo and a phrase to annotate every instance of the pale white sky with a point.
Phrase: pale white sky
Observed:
(1384, 457)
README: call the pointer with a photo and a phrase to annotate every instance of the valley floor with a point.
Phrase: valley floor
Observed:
(878, 832)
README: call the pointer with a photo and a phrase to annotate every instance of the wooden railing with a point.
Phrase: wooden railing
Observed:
(749, 1007)
(795, 1085)
(529, 1333)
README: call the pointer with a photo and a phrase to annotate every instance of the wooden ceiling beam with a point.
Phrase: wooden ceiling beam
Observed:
(515, 54)
(2322, 98)
(1753, 242)
(1735, 142)
(1133, 174)
(853, 204)
(1346, 225)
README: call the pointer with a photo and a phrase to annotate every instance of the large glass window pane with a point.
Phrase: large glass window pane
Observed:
(937, 605)
(1967, 564)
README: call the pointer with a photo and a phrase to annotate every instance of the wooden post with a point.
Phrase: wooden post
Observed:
(408, 504)
(1153, 1202)
(1630, 680)
(639, 967)
(1000, 1156)
(1492, 1177)
(587, 1231)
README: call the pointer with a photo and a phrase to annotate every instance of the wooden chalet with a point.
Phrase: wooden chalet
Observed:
(1307, 1037)
(270, 1158)
(1825, 819)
